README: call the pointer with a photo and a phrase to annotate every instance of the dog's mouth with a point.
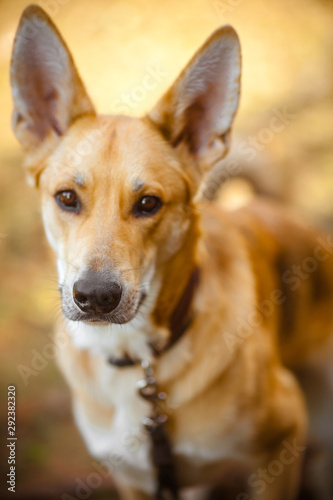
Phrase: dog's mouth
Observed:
(120, 316)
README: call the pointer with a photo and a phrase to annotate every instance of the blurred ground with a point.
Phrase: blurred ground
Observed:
(287, 54)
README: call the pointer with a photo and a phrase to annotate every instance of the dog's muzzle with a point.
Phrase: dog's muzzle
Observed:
(96, 294)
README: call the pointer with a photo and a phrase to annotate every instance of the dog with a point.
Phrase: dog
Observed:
(229, 314)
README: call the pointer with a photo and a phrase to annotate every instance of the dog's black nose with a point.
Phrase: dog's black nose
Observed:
(95, 293)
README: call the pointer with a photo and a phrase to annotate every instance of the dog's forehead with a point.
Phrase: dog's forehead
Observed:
(125, 148)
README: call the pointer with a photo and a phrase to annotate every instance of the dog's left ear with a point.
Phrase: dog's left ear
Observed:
(197, 112)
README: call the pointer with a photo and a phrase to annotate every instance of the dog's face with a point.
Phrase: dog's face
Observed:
(117, 192)
(115, 218)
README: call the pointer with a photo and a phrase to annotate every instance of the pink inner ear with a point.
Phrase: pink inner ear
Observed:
(36, 76)
(41, 101)
(199, 120)
(207, 95)
(47, 90)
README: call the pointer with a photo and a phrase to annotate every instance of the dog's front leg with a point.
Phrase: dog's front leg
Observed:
(278, 478)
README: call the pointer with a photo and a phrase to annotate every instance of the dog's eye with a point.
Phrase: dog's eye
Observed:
(148, 205)
(68, 200)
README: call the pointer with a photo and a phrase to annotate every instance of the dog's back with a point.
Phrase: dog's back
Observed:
(294, 266)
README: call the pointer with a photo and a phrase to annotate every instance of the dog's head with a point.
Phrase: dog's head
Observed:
(117, 192)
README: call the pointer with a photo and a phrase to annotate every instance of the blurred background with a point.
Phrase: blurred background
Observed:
(283, 147)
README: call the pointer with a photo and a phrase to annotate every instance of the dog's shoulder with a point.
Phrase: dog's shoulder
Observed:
(292, 263)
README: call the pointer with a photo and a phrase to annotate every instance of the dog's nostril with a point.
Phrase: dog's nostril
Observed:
(80, 297)
(115, 293)
(105, 298)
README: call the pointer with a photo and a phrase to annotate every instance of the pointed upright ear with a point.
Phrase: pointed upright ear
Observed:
(197, 112)
(47, 90)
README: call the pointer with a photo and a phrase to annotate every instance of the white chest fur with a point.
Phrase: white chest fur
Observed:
(122, 444)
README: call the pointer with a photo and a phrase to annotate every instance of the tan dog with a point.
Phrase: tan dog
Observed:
(217, 302)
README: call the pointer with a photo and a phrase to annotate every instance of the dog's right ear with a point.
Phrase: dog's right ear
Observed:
(47, 90)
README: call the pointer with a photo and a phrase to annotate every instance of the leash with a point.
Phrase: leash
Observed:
(155, 425)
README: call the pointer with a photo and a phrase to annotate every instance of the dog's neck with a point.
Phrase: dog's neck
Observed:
(179, 321)
(176, 276)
